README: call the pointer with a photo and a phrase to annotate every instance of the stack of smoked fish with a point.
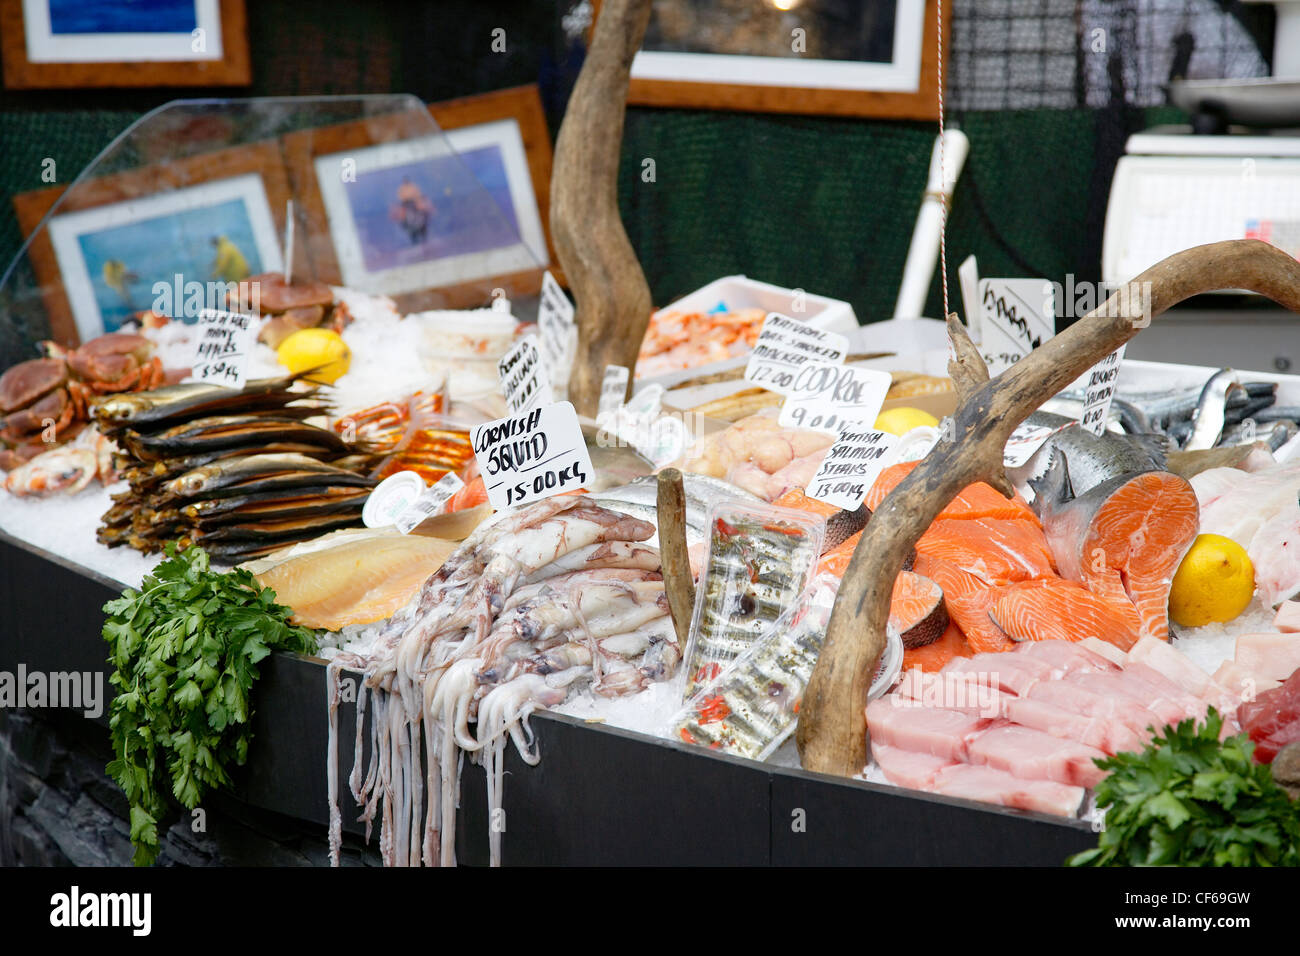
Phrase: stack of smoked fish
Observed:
(239, 472)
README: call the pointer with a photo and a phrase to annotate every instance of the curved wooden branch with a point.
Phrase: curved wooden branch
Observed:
(832, 731)
(674, 558)
(609, 288)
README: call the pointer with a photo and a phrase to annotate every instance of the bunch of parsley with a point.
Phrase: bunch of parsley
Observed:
(185, 650)
(1189, 800)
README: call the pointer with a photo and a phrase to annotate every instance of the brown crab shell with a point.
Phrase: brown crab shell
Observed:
(28, 382)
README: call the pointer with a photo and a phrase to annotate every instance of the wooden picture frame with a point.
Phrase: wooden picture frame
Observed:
(194, 173)
(524, 105)
(332, 249)
(25, 70)
(762, 96)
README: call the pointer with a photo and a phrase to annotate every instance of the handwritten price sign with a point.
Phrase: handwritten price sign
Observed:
(225, 341)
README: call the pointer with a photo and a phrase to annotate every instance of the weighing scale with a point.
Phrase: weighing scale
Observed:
(1221, 177)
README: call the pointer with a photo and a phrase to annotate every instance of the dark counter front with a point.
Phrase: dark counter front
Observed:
(600, 796)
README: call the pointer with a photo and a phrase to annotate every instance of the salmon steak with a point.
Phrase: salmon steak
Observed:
(916, 610)
(1124, 539)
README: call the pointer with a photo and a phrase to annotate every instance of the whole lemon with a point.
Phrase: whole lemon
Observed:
(320, 349)
(900, 421)
(1214, 583)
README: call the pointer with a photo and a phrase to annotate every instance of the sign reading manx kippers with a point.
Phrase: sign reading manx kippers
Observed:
(784, 346)
(225, 343)
(532, 456)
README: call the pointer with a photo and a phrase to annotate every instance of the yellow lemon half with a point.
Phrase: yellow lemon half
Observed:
(900, 421)
(320, 349)
(1214, 583)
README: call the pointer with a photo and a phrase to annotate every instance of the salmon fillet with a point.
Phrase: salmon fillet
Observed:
(932, 657)
(999, 552)
(979, 500)
(1060, 610)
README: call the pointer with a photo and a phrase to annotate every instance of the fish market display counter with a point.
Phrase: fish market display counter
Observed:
(599, 796)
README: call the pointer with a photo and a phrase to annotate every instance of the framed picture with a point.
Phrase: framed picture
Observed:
(835, 57)
(522, 106)
(87, 43)
(119, 242)
(431, 220)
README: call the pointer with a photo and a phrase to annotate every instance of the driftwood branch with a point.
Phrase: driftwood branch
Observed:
(679, 585)
(609, 288)
(832, 731)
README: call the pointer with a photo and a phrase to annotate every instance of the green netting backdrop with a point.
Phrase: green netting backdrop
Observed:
(823, 204)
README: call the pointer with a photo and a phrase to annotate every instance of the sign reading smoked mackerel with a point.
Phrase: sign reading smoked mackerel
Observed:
(784, 346)
(851, 467)
(528, 457)
(524, 380)
(825, 397)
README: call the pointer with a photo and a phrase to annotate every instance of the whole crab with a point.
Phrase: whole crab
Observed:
(45, 400)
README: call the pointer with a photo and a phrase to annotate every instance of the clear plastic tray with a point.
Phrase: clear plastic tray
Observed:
(760, 559)
(753, 706)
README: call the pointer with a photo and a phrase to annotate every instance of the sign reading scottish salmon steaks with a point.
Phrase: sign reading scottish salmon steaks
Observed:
(851, 467)
(532, 456)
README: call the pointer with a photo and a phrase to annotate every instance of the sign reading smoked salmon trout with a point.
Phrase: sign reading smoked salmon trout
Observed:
(532, 456)
(851, 467)
(524, 379)
(784, 346)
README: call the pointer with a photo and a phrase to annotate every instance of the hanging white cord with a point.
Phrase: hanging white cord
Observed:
(943, 172)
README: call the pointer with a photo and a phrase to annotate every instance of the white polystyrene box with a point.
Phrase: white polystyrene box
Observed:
(741, 292)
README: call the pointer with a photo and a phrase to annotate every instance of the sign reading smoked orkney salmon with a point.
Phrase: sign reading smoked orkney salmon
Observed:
(532, 456)
(1099, 392)
(784, 346)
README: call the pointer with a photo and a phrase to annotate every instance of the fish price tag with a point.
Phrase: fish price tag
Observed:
(1099, 392)
(784, 346)
(851, 467)
(524, 379)
(225, 341)
(1016, 316)
(825, 397)
(1025, 441)
(555, 321)
(613, 389)
(432, 501)
(532, 456)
